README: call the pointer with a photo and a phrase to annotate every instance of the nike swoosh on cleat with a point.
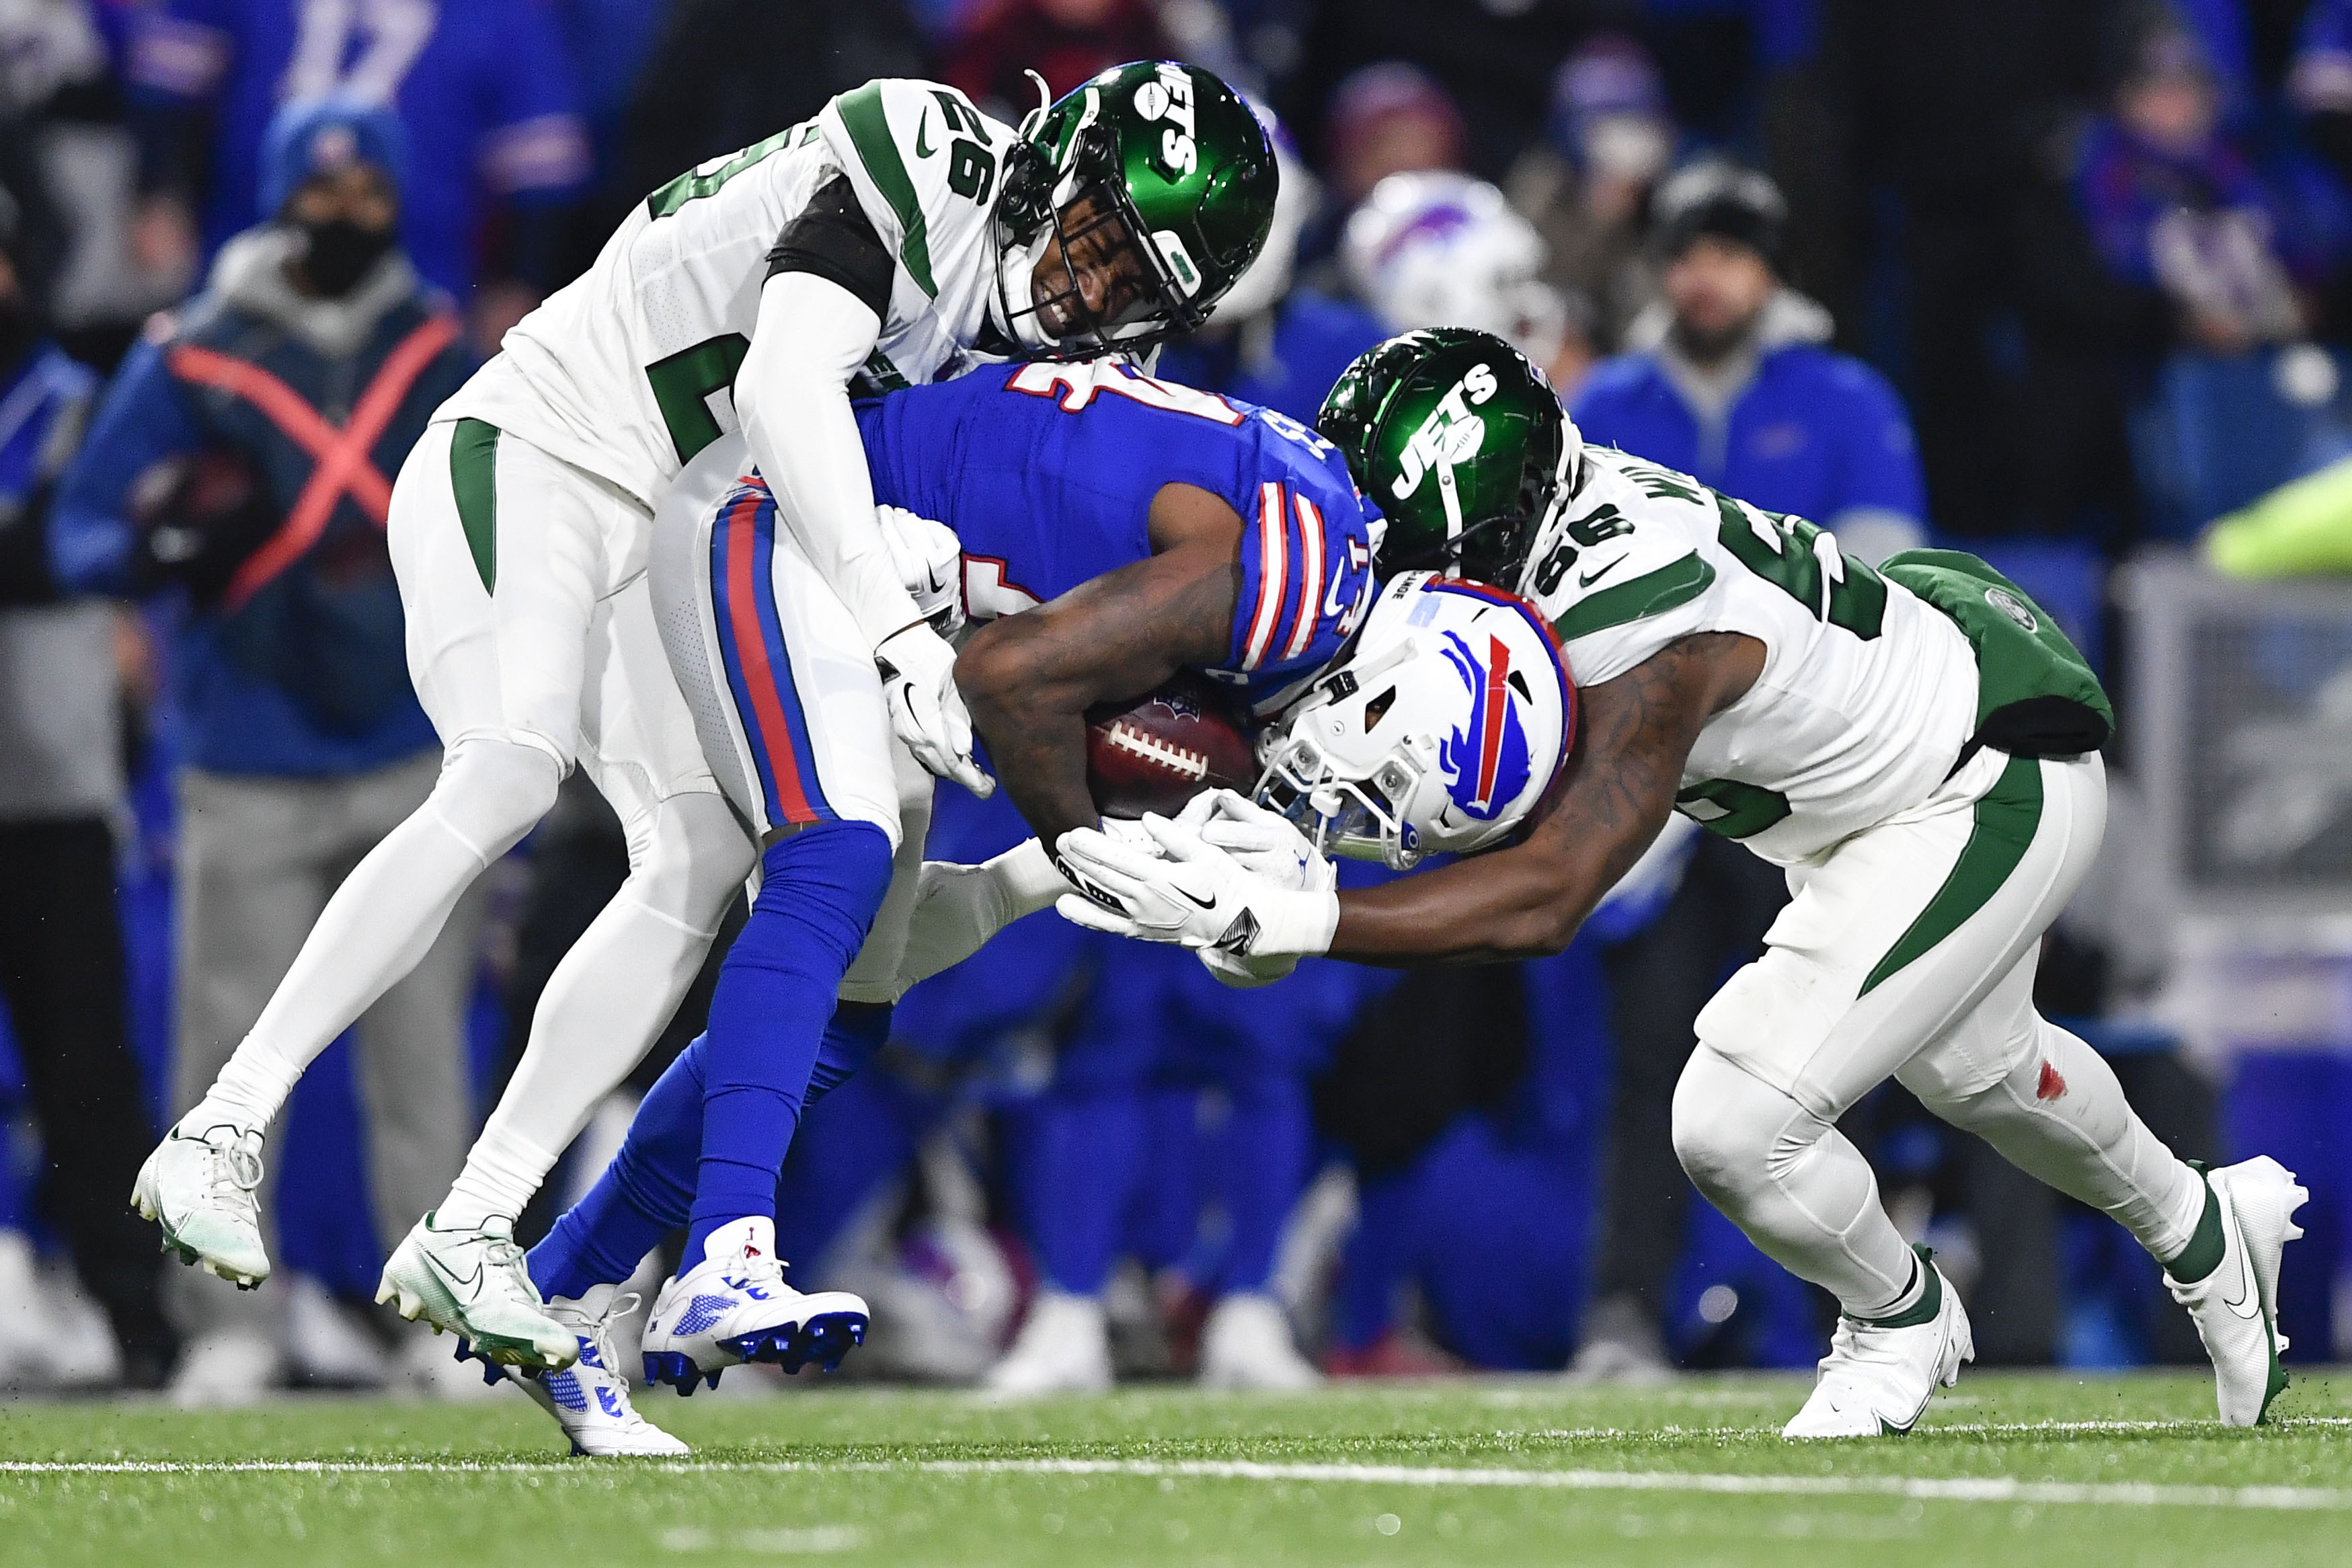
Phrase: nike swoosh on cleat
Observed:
(450, 1276)
(2248, 1305)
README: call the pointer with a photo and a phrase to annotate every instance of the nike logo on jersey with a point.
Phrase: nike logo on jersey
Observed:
(922, 136)
(1586, 579)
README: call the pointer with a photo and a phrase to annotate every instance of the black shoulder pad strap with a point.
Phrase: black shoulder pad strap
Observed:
(833, 238)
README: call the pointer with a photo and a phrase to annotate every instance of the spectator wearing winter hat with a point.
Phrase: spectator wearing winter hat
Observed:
(1727, 376)
(1389, 118)
(1586, 186)
(243, 457)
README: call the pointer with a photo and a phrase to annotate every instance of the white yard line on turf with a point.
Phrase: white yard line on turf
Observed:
(1954, 1489)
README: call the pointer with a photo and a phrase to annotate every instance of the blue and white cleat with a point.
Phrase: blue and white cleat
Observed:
(590, 1398)
(734, 1307)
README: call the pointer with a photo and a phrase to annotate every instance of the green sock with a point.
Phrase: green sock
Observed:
(1930, 1301)
(2203, 1253)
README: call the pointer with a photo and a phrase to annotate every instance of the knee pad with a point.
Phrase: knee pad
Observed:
(1731, 1129)
(687, 856)
(491, 792)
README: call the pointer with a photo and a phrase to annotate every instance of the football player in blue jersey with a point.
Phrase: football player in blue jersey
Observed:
(1112, 529)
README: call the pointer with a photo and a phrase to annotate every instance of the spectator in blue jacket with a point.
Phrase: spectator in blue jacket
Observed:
(1728, 376)
(484, 90)
(243, 455)
(61, 959)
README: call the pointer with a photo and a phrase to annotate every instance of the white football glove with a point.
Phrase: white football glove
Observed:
(1268, 845)
(958, 907)
(1192, 893)
(927, 711)
(929, 559)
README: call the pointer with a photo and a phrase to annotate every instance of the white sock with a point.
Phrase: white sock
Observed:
(1794, 1184)
(2061, 1117)
(502, 1171)
(381, 922)
(609, 997)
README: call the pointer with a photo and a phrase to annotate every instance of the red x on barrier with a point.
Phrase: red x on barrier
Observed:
(346, 464)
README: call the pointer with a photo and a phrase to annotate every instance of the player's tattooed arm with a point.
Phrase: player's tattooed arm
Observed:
(1610, 801)
(1029, 678)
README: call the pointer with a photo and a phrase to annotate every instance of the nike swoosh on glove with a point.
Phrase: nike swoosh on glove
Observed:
(929, 559)
(1192, 893)
(1269, 845)
(927, 711)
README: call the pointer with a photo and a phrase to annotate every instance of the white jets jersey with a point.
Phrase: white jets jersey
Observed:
(629, 372)
(1867, 695)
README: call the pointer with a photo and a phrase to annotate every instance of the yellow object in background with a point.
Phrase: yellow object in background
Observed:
(2303, 529)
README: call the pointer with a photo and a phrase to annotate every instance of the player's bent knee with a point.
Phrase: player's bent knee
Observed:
(491, 792)
(687, 856)
(1726, 1124)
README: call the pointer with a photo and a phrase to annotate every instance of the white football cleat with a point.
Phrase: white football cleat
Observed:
(590, 1398)
(1247, 1343)
(1877, 1380)
(473, 1283)
(734, 1307)
(200, 1190)
(1063, 1347)
(2235, 1308)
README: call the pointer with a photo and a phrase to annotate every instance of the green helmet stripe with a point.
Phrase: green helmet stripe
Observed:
(869, 133)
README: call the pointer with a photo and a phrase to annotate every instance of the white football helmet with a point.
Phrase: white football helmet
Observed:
(1436, 250)
(1438, 735)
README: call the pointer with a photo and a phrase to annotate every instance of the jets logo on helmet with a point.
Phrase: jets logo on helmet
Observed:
(1469, 410)
(1168, 164)
(1449, 437)
(1486, 756)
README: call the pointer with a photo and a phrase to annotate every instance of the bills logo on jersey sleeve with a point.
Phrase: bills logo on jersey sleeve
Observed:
(1487, 763)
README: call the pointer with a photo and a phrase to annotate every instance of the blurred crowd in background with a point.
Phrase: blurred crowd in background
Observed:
(2059, 283)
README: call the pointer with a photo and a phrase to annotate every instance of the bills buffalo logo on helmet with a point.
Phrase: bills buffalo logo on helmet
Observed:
(1487, 765)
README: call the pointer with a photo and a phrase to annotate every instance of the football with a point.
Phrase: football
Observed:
(1160, 750)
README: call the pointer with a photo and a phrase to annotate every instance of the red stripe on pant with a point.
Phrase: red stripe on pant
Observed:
(747, 586)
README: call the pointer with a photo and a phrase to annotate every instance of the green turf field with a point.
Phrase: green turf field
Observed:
(2013, 1471)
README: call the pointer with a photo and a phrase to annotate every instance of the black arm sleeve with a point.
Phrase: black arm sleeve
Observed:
(833, 238)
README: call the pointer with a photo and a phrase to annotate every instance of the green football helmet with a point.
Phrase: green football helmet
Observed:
(1461, 443)
(1182, 168)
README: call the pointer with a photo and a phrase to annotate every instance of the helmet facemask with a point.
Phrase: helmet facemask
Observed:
(1088, 214)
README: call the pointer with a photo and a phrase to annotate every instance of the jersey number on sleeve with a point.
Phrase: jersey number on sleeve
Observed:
(1801, 560)
(972, 168)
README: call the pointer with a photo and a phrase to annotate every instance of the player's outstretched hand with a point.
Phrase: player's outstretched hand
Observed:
(926, 710)
(1192, 893)
(1266, 843)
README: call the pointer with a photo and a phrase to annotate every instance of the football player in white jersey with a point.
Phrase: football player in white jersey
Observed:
(1917, 746)
(900, 236)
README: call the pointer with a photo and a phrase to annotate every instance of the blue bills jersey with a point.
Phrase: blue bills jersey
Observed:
(1047, 473)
